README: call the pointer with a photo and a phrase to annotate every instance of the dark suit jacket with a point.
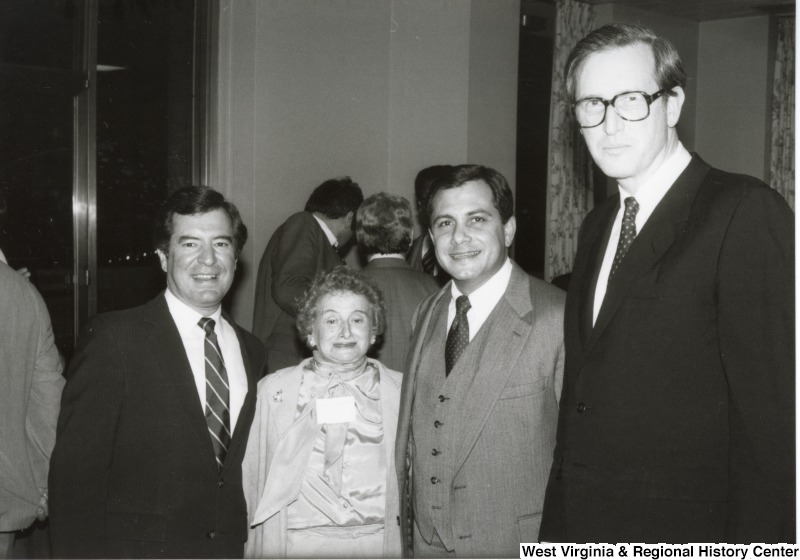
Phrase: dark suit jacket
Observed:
(403, 288)
(133, 473)
(677, 416)
(295, 254)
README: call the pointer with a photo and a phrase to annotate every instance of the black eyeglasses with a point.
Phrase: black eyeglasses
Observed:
(629, 105)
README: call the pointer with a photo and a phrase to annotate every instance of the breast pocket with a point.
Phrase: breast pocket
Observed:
(524, 390)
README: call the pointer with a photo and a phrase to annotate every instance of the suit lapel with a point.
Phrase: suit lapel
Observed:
(245, 417)
(169, 353)
(285, 393)
(667, 221)
(591, 268)
(513, 317)
(390, 403)
(407, 391)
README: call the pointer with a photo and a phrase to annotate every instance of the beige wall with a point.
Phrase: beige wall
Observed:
(734, 95)
(374, 89)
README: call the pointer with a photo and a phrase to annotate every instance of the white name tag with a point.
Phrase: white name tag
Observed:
(336, 410)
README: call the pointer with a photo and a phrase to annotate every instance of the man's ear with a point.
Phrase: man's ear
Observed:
(162, 256)
(674, 105)
(509, 230)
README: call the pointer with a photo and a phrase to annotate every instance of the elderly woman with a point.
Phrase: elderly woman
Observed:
(319, 468)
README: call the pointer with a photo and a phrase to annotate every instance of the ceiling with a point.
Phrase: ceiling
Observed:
(705, 10)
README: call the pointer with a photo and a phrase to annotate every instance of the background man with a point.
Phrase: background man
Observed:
(31, 381)
(677, 417)
(158, 405)
(302, 247)
(480, 400)
(383, 230)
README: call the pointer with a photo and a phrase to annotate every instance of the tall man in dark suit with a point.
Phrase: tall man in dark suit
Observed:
(677, 417)
(383, 231)
(303, 246)
(158, 405)
(479, 402)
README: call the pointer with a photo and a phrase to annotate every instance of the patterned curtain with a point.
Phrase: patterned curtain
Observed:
(569, 185)
(781, 169)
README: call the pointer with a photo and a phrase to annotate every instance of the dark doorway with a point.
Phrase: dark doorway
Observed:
(537, 30)
(102, 114)
(144, 127)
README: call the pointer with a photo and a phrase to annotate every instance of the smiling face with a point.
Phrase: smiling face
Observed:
(629, 152)
(342, 330)
(201, 261)
(469, 235)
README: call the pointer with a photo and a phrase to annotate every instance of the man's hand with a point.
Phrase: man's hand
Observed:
(42, 511)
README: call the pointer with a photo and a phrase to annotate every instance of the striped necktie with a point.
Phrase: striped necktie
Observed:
(218, 417)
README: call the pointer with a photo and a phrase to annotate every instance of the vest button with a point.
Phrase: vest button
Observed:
(212, 535)
(581, 408)
(221, 483)
(434, 480)
(435, 452)
(442, 398)
(437, 424)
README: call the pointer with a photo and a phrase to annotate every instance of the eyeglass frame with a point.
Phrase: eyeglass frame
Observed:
(650, 98)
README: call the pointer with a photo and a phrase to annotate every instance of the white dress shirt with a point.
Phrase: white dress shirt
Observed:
(482, 301)
(194, 337)
(648, 196)
(328, 233)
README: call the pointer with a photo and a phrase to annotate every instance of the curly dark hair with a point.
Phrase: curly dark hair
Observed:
(340, 279)
(335, 198)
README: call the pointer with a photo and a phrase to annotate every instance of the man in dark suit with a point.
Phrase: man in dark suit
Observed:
(422, 255)
(158, 404)
(479, 403)
(383, 231)
(303, 246)
(677, 416)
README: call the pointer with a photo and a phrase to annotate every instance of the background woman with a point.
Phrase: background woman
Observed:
(319, 469)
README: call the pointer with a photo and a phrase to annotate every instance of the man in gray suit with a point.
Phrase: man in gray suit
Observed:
(31, 381)
(479, 403)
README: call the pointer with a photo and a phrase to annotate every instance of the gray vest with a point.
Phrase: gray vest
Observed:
(435, 416)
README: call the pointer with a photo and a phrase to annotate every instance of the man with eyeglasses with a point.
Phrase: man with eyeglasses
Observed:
(677, 414)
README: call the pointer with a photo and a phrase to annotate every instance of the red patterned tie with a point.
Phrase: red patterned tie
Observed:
(218, 417)
(627, 234)
(458, 337)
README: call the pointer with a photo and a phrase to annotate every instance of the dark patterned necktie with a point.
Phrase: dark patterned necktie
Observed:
(458, 337)
(627, 234)
(218, 417)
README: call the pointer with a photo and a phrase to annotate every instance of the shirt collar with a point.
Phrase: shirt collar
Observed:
(185, 317)
(328, 233)
(386, 256)
(491, 290)
(651, 193)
